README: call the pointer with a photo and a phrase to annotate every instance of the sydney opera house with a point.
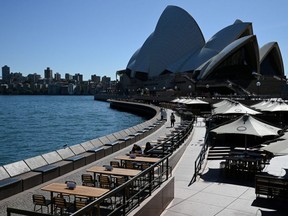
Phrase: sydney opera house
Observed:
(176, 56)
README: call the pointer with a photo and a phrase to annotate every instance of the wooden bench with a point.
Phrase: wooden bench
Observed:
(272, 187)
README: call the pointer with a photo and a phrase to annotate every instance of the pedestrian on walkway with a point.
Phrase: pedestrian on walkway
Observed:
(172, 119)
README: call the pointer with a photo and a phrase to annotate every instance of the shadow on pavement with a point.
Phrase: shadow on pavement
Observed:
(218, 175)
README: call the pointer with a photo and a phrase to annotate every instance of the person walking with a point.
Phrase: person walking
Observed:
(172, 119)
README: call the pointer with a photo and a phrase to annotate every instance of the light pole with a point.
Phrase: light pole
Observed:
(207, 87)
(258, 84)
(190, 87)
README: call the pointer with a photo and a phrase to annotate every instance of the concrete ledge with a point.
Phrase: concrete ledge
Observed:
(3, 173)
(30, 179)
(9, 187)
(49, 172)
(78, 161)
(98, 152)
(115, 145)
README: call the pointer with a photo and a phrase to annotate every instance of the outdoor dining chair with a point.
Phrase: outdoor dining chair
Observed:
(88, 180)
(61, 205)
(115, 164)
(41, 201)
(105, 182)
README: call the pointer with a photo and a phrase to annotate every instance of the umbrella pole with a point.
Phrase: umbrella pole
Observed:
(245, 142)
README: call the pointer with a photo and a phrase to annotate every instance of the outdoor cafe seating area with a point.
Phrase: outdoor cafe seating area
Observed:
(68, 197)
(117, 187)
(244, 163)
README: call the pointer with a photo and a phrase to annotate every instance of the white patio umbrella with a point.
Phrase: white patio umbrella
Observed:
(279, 147)
(195, 101)
(247, 125)
(234, 108)
(224, 102)
(276, 107)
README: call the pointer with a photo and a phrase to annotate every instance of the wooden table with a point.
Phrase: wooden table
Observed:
(115, 171)
(90, 192)
(138, 159)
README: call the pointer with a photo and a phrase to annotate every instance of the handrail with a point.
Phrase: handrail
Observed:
(146, 181)
(199, 160)
(125, 206)
(198, 163)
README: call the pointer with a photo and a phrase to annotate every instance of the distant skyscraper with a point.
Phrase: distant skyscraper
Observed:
(78, 77)
(57, 77)
(95, 79)
(68, 76)
(5, 73)
(48, 73)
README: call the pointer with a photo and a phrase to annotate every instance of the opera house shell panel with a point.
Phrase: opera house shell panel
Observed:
(177, 45)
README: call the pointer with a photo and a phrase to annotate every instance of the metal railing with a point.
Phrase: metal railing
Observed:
(128, 196)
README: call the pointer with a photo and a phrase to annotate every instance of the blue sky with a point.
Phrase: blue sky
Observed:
(100, 36)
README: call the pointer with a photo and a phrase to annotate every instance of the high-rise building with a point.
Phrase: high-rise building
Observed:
(95, 79)
(48, 73)
(5, 73)
(78, 77)
(68, 76)
(57, 77)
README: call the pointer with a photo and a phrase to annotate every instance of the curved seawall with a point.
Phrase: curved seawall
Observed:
(22, 175)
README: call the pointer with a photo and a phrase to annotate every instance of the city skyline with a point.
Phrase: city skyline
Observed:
(95, 37)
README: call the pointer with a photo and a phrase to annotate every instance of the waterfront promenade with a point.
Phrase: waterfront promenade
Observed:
(211, 194)
(23, 200)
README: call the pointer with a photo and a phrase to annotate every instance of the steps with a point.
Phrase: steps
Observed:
(218, 152)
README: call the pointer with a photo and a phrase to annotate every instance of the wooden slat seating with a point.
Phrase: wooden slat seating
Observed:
(115, 164)
(78, 149)
(105, 182)
(61, 206)
(21, 170)
(40, 165)
(40, 201)
(88, 180)
(81, 202)
(68, 155)
(8, 185)
(94, 147)
(54, 159)
(271, 186)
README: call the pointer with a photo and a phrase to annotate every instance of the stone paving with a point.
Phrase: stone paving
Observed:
(23, 200)
(211, 194)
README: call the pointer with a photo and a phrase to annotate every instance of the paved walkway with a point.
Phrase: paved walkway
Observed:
(23, 200)
(212, 194)
(209, 195)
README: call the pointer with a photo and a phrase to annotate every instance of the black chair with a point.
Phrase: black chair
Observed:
(115, 164)
(62, 206)
(88, 180)
(41, 201)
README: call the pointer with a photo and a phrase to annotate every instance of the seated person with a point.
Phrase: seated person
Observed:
(136, 149)
(147, 148)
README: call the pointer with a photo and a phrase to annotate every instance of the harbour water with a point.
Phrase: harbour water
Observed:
(33, 125)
